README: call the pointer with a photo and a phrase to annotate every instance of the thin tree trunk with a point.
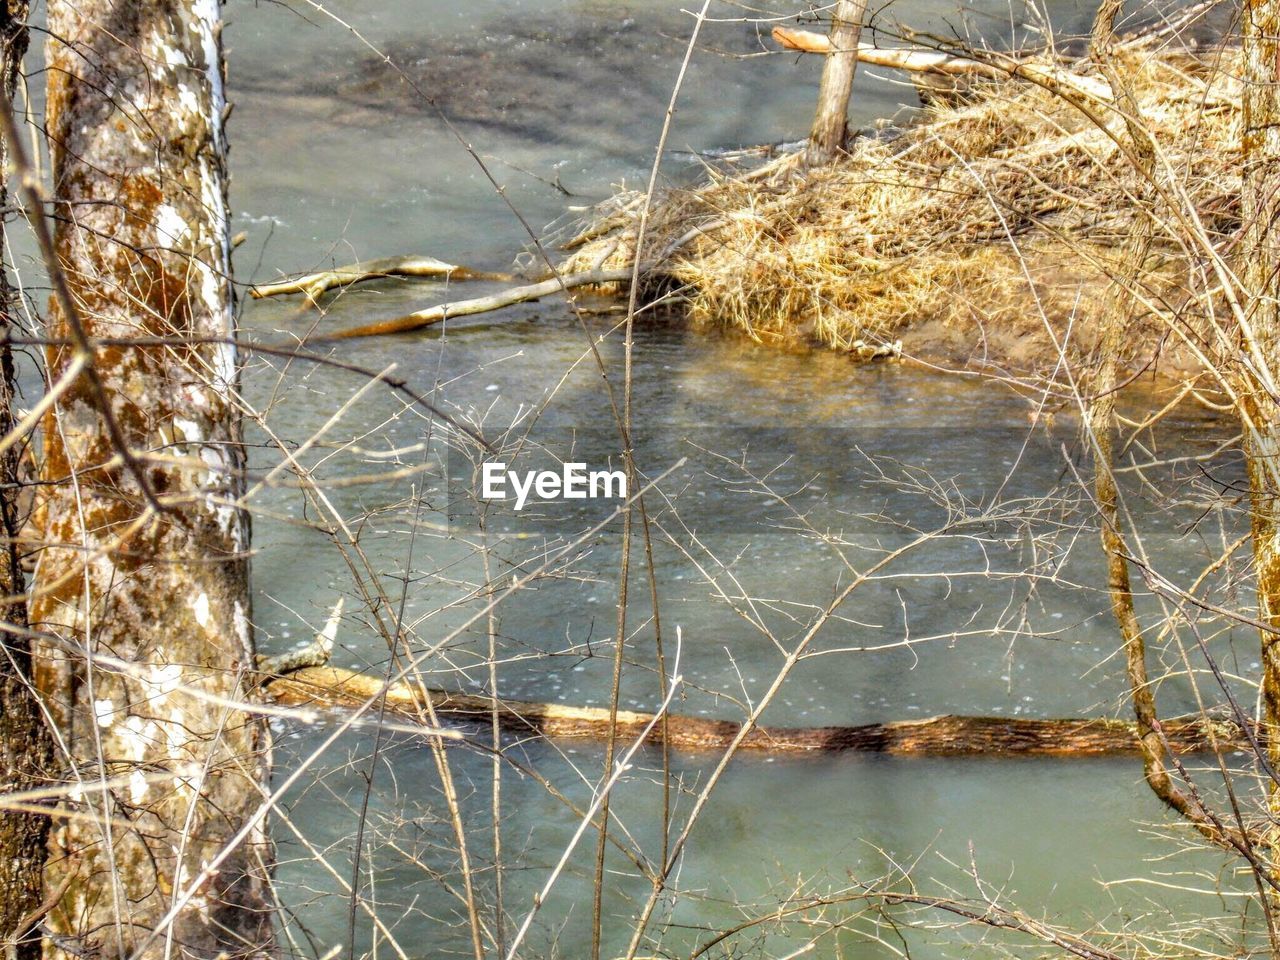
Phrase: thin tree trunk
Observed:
(1116, 313)
(830, 123)
(1260, 257)
(26, 749)
(138, 154)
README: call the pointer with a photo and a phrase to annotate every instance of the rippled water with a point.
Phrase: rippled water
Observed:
(335, 160)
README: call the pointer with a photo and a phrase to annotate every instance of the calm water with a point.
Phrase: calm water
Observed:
(335, 160)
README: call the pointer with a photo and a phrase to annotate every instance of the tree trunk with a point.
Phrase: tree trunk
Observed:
(830, 123)
(1260, 347)
(26, 749)
(138, 155)
(1115, 315)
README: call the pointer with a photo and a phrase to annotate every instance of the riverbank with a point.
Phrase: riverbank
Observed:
(982, 236)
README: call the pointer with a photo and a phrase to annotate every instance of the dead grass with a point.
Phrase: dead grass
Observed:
(983, 232)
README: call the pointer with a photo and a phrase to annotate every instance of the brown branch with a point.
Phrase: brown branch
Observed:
(947, 735)
(993, 915)
(984, 912)
(1116, 315)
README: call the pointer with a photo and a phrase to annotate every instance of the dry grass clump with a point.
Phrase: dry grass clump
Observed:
(984, 230)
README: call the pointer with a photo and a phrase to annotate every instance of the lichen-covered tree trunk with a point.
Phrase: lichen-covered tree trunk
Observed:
(1260, 341)
(138, 152)
(830, 122)
(26, 749)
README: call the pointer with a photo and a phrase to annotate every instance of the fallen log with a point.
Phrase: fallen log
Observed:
(935, 61)
(942, 736)
(313, 285)
(463, 308)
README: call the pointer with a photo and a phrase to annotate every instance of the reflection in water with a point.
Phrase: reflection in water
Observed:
(802, 468)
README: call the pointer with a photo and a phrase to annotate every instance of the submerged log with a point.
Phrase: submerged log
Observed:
(942, 736)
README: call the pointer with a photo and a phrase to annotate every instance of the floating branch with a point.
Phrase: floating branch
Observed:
(935, 61)
(315, 284)
(464, 308)
(955, 736)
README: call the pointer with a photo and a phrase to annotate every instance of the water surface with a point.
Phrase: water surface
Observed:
(801, 468)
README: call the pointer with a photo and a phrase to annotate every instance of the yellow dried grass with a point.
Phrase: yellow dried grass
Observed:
(998, 216)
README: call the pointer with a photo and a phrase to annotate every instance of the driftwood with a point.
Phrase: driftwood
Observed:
(312, 285)
(954, 736)
(314, 654)
(935, 61)
(463, 308)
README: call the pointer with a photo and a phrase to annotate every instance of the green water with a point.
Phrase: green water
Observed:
(335, 161)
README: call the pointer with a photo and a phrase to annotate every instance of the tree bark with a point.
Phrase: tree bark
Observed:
(1260, 345)
(135, 109)
(830, 123)
(26, 748)
(1116, 311)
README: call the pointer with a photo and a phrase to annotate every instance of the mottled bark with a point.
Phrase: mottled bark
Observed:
(26, 748)
(830, 122)
(1260, 341)
(138, 153)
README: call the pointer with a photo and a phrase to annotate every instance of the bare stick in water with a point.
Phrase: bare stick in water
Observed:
(315, 284)
(464, 308)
